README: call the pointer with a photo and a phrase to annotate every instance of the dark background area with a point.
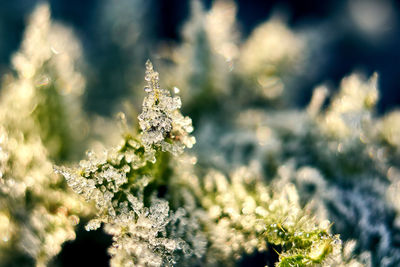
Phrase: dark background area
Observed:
(347, 46)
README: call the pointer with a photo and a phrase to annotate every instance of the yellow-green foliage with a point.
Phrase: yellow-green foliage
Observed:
(37, 210)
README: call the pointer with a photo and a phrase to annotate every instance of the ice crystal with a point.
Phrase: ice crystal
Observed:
(161, 122)
(99, 180)
(153, 237)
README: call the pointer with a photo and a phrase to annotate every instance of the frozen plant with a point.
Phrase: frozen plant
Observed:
(161, 122)
(208, 220)
(123, 182)
(264, 181)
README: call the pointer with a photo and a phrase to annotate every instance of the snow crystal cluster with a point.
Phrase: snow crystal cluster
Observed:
(161, 122)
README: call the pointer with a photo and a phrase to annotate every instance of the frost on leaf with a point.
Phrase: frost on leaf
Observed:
(162, 124)
(152, 238)
(109, 178)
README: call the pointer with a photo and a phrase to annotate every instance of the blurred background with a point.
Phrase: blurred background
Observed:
(117, 37)
(352, 35)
